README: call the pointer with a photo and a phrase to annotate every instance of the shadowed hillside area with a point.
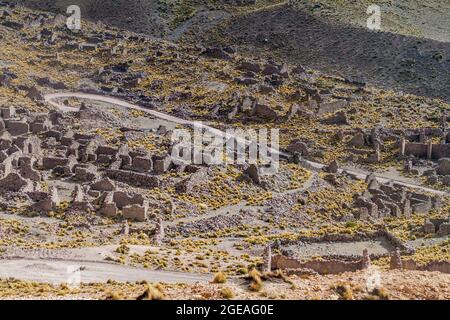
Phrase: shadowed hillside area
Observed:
(140, 16)
(427, 19)
(415, 65)
(160, 18)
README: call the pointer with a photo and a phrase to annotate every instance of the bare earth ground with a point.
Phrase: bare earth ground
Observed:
(395, 285)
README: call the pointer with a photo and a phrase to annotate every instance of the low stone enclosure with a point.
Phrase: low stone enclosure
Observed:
(338, 264)
(293, 266)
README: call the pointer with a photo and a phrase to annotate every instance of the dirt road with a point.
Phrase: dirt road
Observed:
(69, 271)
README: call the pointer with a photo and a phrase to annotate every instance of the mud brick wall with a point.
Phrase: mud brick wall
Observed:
(319, 266)
(440, 266)
(416, 149)
(440, 151)
(133, 178)
(420, 150)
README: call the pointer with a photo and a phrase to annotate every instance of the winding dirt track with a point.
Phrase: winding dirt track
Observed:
(360, 174)
(65, 270)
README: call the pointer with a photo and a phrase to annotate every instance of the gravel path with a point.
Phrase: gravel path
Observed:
(65, 271)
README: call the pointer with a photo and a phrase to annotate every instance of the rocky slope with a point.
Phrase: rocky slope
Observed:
(389, 60)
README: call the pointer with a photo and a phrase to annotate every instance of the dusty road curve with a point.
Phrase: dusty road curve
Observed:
(58, 271)
(50, 99)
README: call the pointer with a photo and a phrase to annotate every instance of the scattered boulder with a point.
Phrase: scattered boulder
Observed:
(189, 183)
(15, 183)
(249, 66)
(333, 167)
(339, 118)
(216, 53)
(253, 173)
(105, 184)
(264, 112)
(298, 146)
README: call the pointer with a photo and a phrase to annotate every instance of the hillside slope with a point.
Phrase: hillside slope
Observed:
(137, 15)
(410, 54)
(411, 64)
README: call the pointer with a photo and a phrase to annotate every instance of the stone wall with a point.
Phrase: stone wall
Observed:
(416, 149)
(319, 266)
(420, 150)
(440, 151)
(440, 266)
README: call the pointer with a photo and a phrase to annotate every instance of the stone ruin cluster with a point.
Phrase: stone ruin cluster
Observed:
(33, 148)
(415, 147)
(416, 143)
(382, 200)
(419, 143)
(440, 227)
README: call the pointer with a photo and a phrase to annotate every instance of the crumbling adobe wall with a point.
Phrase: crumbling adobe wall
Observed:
(420, 150)
(319, 266)
(440, 151)
(440, 266)
(416, 149)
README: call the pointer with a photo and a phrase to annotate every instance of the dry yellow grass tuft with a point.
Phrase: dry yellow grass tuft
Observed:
(227, 293)
(344, 290)
(219, 277)
(151, 293)
(114, 295)
(255, 280)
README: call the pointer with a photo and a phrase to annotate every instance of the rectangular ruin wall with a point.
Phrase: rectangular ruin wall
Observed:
(420, 150)
(319, 266)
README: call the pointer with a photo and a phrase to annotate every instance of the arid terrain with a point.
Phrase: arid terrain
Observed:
(93, 204)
